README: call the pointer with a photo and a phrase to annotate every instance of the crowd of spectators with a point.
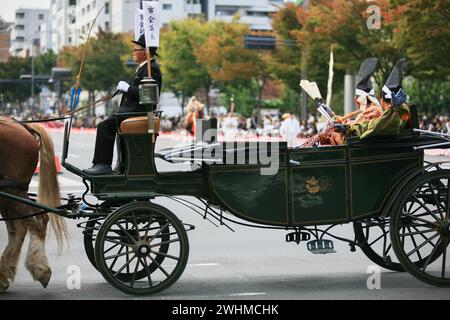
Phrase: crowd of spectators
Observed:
(437, 124)
(268, 126)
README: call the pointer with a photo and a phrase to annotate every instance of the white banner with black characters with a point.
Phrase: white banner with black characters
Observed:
(139, 28)
(152, 22)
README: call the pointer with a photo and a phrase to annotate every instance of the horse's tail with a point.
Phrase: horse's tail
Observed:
(48, 184)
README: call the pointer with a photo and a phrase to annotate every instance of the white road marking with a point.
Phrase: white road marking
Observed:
(247, 294)
(198, 265)
(202, 265)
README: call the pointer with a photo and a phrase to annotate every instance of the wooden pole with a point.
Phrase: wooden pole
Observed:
(149, 67)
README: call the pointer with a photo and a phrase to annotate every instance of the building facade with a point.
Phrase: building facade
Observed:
(86, 11)
(25, 33)
(71, 19)
(5, 40)
(255, 13)
(62, 23)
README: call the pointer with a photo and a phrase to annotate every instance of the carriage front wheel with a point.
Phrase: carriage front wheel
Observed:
(420, 227)
(129, 243)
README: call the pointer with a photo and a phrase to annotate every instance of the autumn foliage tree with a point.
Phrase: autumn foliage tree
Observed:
(231, 65)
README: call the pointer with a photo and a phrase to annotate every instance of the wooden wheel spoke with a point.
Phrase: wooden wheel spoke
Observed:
(421, 234)
(164, 242)
(423, 244)
(433, 252)
(119, 255)
(126, 265)
(159, 267)
(118, 242)
(426, 208)
(126, 232)
(147, 270)
(438, 202)
(115, 260)
(165, 255)
(410, 234)
(150, 221)
(136, 226)
(414, 242)
(377, 239)
(133, 279)
(114, 246)
(419, 219)
(159, 232)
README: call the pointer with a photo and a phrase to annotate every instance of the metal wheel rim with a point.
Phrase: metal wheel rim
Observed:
(425, 208)
(115, 230)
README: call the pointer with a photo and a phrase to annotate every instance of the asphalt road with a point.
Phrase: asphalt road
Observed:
(250, 264)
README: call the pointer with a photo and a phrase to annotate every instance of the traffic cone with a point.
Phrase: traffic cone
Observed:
(57, 164)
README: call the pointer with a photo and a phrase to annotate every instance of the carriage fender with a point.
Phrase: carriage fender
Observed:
(401, 185)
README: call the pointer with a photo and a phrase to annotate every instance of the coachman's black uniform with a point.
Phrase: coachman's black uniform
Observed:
(107, 129)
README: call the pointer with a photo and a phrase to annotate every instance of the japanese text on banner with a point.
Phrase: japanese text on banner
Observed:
(152, 22)
(139, 28)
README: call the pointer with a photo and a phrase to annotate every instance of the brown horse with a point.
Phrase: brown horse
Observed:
(20, 146)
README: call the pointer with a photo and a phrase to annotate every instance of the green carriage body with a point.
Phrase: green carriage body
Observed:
(312, 186)
(369, 182)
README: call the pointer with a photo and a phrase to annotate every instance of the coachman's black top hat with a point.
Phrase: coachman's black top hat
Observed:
(141, 42)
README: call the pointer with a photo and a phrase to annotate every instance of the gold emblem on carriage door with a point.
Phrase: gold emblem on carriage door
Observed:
(314, 185)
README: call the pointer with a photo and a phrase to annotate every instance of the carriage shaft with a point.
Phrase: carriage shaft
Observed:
(60, 212)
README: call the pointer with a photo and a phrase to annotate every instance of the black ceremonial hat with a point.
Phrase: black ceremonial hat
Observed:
(366, 71)
(394, 82)
(141, 42)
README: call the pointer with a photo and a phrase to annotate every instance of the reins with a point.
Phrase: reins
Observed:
(69, 115)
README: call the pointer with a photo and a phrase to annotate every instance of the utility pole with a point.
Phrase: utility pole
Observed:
(32, 76)
(304, 96)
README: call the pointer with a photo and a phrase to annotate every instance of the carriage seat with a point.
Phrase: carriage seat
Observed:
(137, 125)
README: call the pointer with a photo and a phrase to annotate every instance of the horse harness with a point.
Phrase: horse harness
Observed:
(5, 182)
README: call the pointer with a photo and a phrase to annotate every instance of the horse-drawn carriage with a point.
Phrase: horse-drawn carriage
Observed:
(398, 205)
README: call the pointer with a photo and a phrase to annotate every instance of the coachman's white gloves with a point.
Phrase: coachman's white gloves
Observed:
(123, 86)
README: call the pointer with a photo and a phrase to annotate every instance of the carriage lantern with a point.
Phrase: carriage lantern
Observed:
(148, 94)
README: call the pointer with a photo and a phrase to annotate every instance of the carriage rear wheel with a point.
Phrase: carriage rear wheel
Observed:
(374, 240)
(420, 227)
(89, 236)
(141, 248)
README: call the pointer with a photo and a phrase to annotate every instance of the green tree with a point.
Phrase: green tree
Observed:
(13, 69)
(287, 58)
(45, 62)
(231, 65)
(424, 32)
(430, 96)
(183, 74)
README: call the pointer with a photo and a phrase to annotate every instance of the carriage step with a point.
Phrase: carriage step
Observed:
(297, 236)
(321, 246)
